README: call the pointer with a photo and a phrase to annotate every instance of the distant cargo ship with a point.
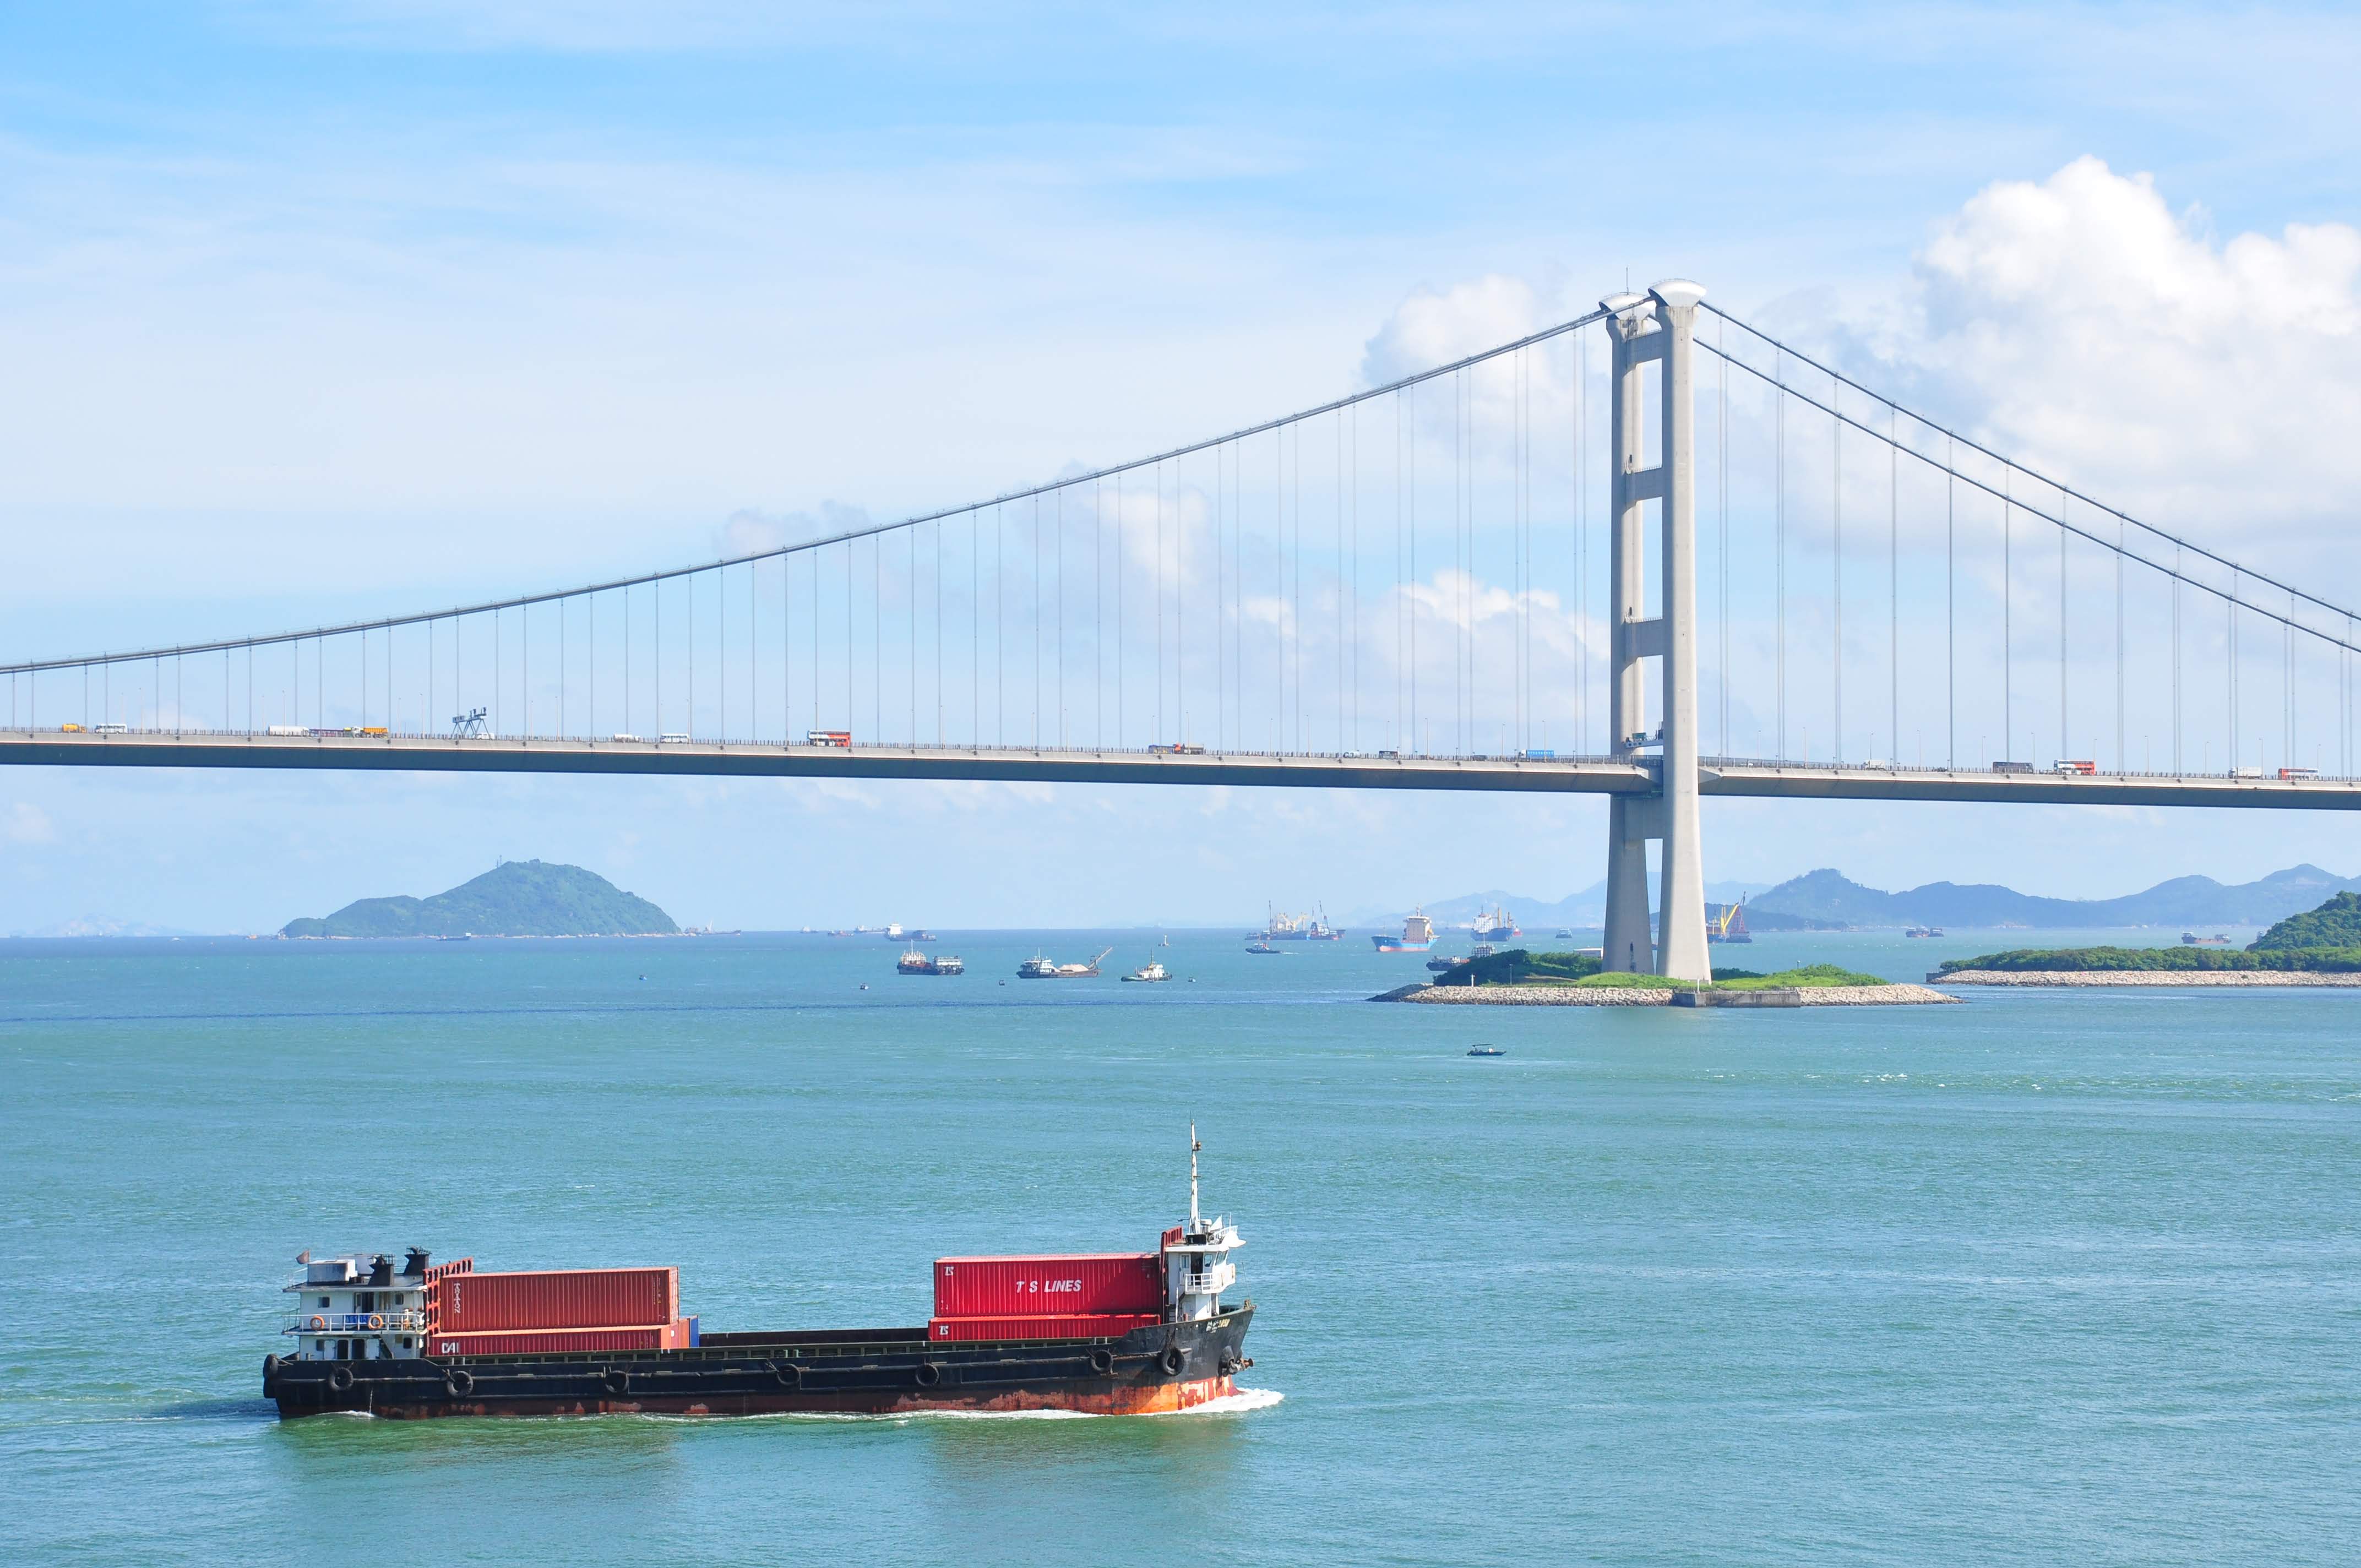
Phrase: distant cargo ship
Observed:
(1417, 937)
(1496, 926)
(1112, 1333)
(917, 962)
(1278, 926)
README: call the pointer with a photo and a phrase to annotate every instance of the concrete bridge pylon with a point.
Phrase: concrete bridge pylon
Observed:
(1658, 327)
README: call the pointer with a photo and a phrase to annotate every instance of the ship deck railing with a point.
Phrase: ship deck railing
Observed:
(355, 1322)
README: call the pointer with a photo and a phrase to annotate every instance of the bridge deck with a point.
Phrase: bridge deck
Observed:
(1592, 775)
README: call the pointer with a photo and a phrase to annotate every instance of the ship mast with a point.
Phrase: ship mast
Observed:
(1194, 1224)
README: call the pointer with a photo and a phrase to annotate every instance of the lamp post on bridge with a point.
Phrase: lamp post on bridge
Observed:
(1658, 325)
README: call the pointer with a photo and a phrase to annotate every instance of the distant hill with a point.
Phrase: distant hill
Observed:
(1829, 896)
(2336, 924)
(520, 898)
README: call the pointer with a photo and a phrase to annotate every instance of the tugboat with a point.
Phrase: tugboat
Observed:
(1261, 946)
(1417, 937)
(1109, 1333)
(917, 962)
(1151, 970)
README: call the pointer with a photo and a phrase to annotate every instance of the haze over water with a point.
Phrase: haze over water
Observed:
(2054, 1277)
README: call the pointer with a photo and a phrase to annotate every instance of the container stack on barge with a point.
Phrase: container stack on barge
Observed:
(1110, 1333)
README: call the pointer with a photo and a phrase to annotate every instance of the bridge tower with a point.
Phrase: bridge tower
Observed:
(1658, 326)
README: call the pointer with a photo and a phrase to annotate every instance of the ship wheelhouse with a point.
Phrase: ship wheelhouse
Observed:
(357, 1307)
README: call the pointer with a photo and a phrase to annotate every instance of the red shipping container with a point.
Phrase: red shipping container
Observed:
(543, 1342)
(1098, 1325)
(1058, 1286)
(554, 1298)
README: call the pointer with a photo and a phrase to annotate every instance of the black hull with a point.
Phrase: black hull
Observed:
(1173, 1367)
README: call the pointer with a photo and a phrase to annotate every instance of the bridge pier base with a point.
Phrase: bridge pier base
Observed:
(1657, 326)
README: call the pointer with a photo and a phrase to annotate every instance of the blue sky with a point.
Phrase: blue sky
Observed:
(329, 309)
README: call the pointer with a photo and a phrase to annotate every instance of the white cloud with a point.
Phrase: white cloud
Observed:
(2096, 334)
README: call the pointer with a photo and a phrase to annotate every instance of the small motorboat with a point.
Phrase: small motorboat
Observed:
(1262, 946)
(1151, 970)
(1486, 1051)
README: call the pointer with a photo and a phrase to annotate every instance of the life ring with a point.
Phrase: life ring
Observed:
(1171, 1360)
(318, 1323)
(789, 1375)
(341, 1380)
(377, 1320)
(460, 1381)
(617, 1381)
(1103, 1362)
(929, 1374)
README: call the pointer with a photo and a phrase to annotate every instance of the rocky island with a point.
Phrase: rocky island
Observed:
(516, 898)
(1520, 978)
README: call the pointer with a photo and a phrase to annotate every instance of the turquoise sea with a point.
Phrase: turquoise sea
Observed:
(2051, 1277)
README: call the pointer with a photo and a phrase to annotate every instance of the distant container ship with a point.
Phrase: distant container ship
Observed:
(1417, 937)
(1110, 1333)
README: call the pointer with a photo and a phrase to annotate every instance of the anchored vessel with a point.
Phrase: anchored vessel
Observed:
(1112, 1333)
(1039, 968)
(1417, 937)
(917, 962)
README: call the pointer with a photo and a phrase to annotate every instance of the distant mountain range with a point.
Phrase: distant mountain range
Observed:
(517, 898)
(1829, 896)
(1824, 900)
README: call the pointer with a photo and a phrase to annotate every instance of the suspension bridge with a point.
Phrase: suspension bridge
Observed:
(1651, 553)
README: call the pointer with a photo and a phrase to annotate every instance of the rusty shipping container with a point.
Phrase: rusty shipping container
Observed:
(677, 1335)
(1096, 1325)
(554, 1298)
(1065, 1285)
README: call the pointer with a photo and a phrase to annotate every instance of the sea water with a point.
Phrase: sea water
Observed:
(2049, 1277)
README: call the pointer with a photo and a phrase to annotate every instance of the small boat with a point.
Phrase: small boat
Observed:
(1565, 935)
(1924, 931)
(2191, 939)
(1486, 1051)
(1151, 970)
(1262, 945)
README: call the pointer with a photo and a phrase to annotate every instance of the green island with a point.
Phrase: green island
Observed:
(2326, 941)
(517, 898)
(1519, 967)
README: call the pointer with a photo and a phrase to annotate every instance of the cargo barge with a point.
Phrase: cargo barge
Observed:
(1107, 1334)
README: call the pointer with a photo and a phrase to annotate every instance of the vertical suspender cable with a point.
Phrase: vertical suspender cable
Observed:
(1893, 577)
(2123, 763)
(1835, 540)
(1779, 532)
(2065, 740)
(2230, 614)
(1721, 545)
(1950, 609)
(2007, 607)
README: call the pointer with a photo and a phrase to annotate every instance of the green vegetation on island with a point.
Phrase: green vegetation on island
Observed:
(517, 898)
(2334, 925)
(1518, 966)
(2326, 941)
